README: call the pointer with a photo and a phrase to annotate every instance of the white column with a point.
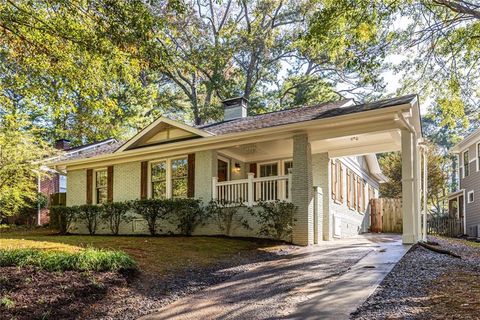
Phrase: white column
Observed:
(205, 170)
(250, 188)
(302, 190)
(417, 200)
(407, 188)
(425, 193)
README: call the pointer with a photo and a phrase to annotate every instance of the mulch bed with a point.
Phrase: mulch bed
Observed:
(429, 285)
(29, 293)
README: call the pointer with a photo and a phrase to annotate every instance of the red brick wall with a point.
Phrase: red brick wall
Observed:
(48, 186)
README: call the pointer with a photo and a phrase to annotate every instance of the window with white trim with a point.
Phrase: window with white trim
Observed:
(100, 186)
(169, 178)
(470, 197)
(159, 179)
(478, 156)
(466, 169)
(179, 170)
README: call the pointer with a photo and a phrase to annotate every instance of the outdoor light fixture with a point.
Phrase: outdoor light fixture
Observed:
(237, 167)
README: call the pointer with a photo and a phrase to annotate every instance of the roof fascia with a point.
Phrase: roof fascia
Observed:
(466, 142)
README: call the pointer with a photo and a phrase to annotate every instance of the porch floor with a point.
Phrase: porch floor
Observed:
(300, 286)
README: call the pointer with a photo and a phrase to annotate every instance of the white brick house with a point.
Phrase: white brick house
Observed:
(321, 158)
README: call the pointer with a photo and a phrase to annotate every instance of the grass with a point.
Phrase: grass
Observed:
(87, 259)
(158, 255)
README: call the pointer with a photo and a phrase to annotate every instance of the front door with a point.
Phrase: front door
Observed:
(222, 173)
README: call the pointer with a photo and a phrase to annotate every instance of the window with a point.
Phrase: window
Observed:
(471, 197)
(334, 179)
(62, 183)
(159, 180)
(337, 181)
(287, 168)
(179, 169)
(359, 194)
(100, 186)
(287, 165)
(478, 156)
(466, 169)
(269, 170)
(349, 188)
(371, 192)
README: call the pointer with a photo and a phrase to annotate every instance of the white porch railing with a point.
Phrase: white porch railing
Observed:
(251, 190)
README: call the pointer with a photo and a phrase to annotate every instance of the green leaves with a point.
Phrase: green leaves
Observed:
(19, 166)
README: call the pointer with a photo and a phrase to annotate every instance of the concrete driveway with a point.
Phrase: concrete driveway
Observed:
(326, 281)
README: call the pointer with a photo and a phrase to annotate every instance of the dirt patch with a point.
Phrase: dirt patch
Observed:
(429, 285)
(29, 293)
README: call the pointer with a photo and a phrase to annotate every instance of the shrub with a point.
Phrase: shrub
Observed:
(90, 214)
(152, 210)
(27, 214)
(187, 214)
(225, 214)
(275, 218)
(88, 259)
(62, 217)
(114, 213)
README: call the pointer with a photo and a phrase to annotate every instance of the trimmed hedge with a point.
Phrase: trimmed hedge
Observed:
(89, 259)
(184, 214)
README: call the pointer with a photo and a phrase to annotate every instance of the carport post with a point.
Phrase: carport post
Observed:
(302, 191)
(417, 195)
(407, 187)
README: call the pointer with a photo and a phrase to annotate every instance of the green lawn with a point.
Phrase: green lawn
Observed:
(159, 255)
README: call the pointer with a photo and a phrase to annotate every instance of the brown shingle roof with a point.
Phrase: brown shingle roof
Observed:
(266, 120)
(300, 114)
(73, 154)
(271, 119)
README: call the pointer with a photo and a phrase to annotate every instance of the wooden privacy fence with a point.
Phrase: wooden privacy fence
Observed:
(444, 226)
(386, 215)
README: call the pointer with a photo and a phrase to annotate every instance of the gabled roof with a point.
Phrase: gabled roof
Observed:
(154, 127)
(466, 142)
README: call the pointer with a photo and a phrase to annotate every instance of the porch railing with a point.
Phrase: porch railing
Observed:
(252, 190)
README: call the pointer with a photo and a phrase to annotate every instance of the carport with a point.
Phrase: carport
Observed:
(383, 126)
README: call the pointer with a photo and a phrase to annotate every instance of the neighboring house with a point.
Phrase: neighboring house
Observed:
(321, 158)
(463, 204)
(56, 181)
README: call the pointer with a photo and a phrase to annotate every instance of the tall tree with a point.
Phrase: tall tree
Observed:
(19, 165)
(74, 65)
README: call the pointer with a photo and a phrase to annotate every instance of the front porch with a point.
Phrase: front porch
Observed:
(297, 167)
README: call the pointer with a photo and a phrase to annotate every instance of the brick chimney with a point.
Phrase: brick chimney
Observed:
(62, 144)
(235, 108)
